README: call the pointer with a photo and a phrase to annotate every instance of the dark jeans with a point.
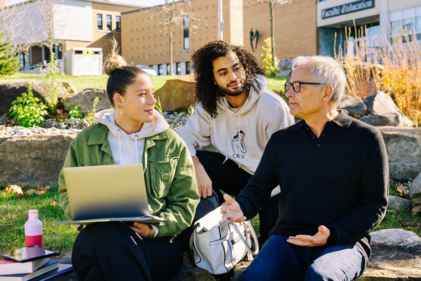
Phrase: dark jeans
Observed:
(231, 179)
(112, 251)
(281, 261)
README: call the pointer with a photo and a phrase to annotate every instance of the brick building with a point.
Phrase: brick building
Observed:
(145, 42)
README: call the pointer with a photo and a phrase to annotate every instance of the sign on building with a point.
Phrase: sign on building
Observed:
(347, 8)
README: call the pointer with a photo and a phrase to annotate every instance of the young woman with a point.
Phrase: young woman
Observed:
(133, 132)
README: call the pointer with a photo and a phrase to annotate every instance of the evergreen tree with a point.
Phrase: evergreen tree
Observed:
(9, 62)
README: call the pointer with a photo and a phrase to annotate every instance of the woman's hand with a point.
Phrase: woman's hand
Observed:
(141, 229)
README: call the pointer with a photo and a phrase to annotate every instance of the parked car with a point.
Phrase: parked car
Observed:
(149, 70)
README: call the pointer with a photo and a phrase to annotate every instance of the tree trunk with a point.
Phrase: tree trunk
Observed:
(170, 16)
(272, 31)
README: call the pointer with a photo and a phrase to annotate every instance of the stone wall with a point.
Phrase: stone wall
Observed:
(36, 160)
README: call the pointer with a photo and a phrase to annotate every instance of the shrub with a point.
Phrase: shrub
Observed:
(27, 110)
(267, 60)
(75, 112)
(53, 81)
(400, 76)
(90, 116)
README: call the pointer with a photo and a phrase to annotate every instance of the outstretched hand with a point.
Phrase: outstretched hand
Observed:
(319, 239)
(231, 210)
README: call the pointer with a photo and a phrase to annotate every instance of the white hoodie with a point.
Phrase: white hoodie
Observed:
(128, 148)
(242, 135)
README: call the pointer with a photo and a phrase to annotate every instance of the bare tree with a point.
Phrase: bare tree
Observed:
(175, 13)
(272, 4)
(49, 28)
(13, 24)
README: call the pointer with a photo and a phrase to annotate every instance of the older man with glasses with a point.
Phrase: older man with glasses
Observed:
(334, 178)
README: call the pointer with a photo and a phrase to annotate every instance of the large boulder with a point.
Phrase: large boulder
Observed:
(85, 100)
(33, 160)
(178, 93)
(396, 255)
(354, 106)
(399, 204)
(9, 92)
(415, 191)
(383, 111)
(403, 147)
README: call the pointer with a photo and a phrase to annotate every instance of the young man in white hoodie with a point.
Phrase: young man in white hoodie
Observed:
(237, 114)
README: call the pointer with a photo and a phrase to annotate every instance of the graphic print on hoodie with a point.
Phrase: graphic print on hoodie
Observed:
(238, 145)
(240, 135)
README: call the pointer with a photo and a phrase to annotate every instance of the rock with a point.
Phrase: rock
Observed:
(403, 151)
(9, 92)
(178, 93)
(354, 106)
(70, 89)
(383, 120)
(85, 100)
(415, 191)
(50, 124)
(396, 256)
(383, 111)
(188, 272)
(407, 122)
(24, 161)
(399, 204)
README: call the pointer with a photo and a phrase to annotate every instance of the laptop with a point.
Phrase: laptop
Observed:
(107, 193)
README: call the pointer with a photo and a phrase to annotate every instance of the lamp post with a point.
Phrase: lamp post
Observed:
(220, 22)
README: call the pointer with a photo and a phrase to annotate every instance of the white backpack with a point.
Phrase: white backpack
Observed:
(218, 245)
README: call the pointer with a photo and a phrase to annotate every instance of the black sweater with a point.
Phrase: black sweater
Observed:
(339, 180)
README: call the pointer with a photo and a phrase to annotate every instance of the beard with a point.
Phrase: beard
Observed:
(233, 93)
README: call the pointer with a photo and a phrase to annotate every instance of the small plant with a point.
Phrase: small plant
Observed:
(28, 110)
(53, 81)
(158, 106)
(267, 60)
(75, 112)
(90, 116)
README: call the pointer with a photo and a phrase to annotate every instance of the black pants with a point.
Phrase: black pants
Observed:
(231, 179)
(112, 251)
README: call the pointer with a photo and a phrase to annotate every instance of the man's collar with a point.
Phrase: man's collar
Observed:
(342, 120)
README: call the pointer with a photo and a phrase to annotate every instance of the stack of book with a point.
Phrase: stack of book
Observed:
(42, 268)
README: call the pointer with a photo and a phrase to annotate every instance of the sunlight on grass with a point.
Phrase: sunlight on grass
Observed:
(14, 214)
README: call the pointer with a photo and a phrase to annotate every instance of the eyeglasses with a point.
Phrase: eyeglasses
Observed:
(296, 85)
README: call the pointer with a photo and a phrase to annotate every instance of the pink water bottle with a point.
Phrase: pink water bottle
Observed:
(33, 230)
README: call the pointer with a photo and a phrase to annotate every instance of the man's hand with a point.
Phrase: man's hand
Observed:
(319, 239)
(141, 229)
(231, 210)
(204, 183)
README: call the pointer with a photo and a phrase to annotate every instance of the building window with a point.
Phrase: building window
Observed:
(99, 21)
(160, 69)
(118, 23)
(188, 71)
(177, 68)
(186, 33)
(405, 22)
(109, 23)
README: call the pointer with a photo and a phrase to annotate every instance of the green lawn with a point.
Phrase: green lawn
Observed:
(275, 84)
(13, 215)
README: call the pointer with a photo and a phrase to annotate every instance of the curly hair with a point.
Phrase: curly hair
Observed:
(206, 91)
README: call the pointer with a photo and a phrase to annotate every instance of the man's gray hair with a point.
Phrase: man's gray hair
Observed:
(325, 70)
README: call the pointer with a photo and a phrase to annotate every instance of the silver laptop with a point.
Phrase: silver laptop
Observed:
(107, 193)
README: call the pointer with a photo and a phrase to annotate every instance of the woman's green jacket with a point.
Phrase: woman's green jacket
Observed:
(168, 169)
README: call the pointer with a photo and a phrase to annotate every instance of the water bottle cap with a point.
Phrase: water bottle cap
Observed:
(33, 214)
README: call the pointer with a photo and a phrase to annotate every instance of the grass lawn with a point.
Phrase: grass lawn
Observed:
(275, 84)
(13, 215)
